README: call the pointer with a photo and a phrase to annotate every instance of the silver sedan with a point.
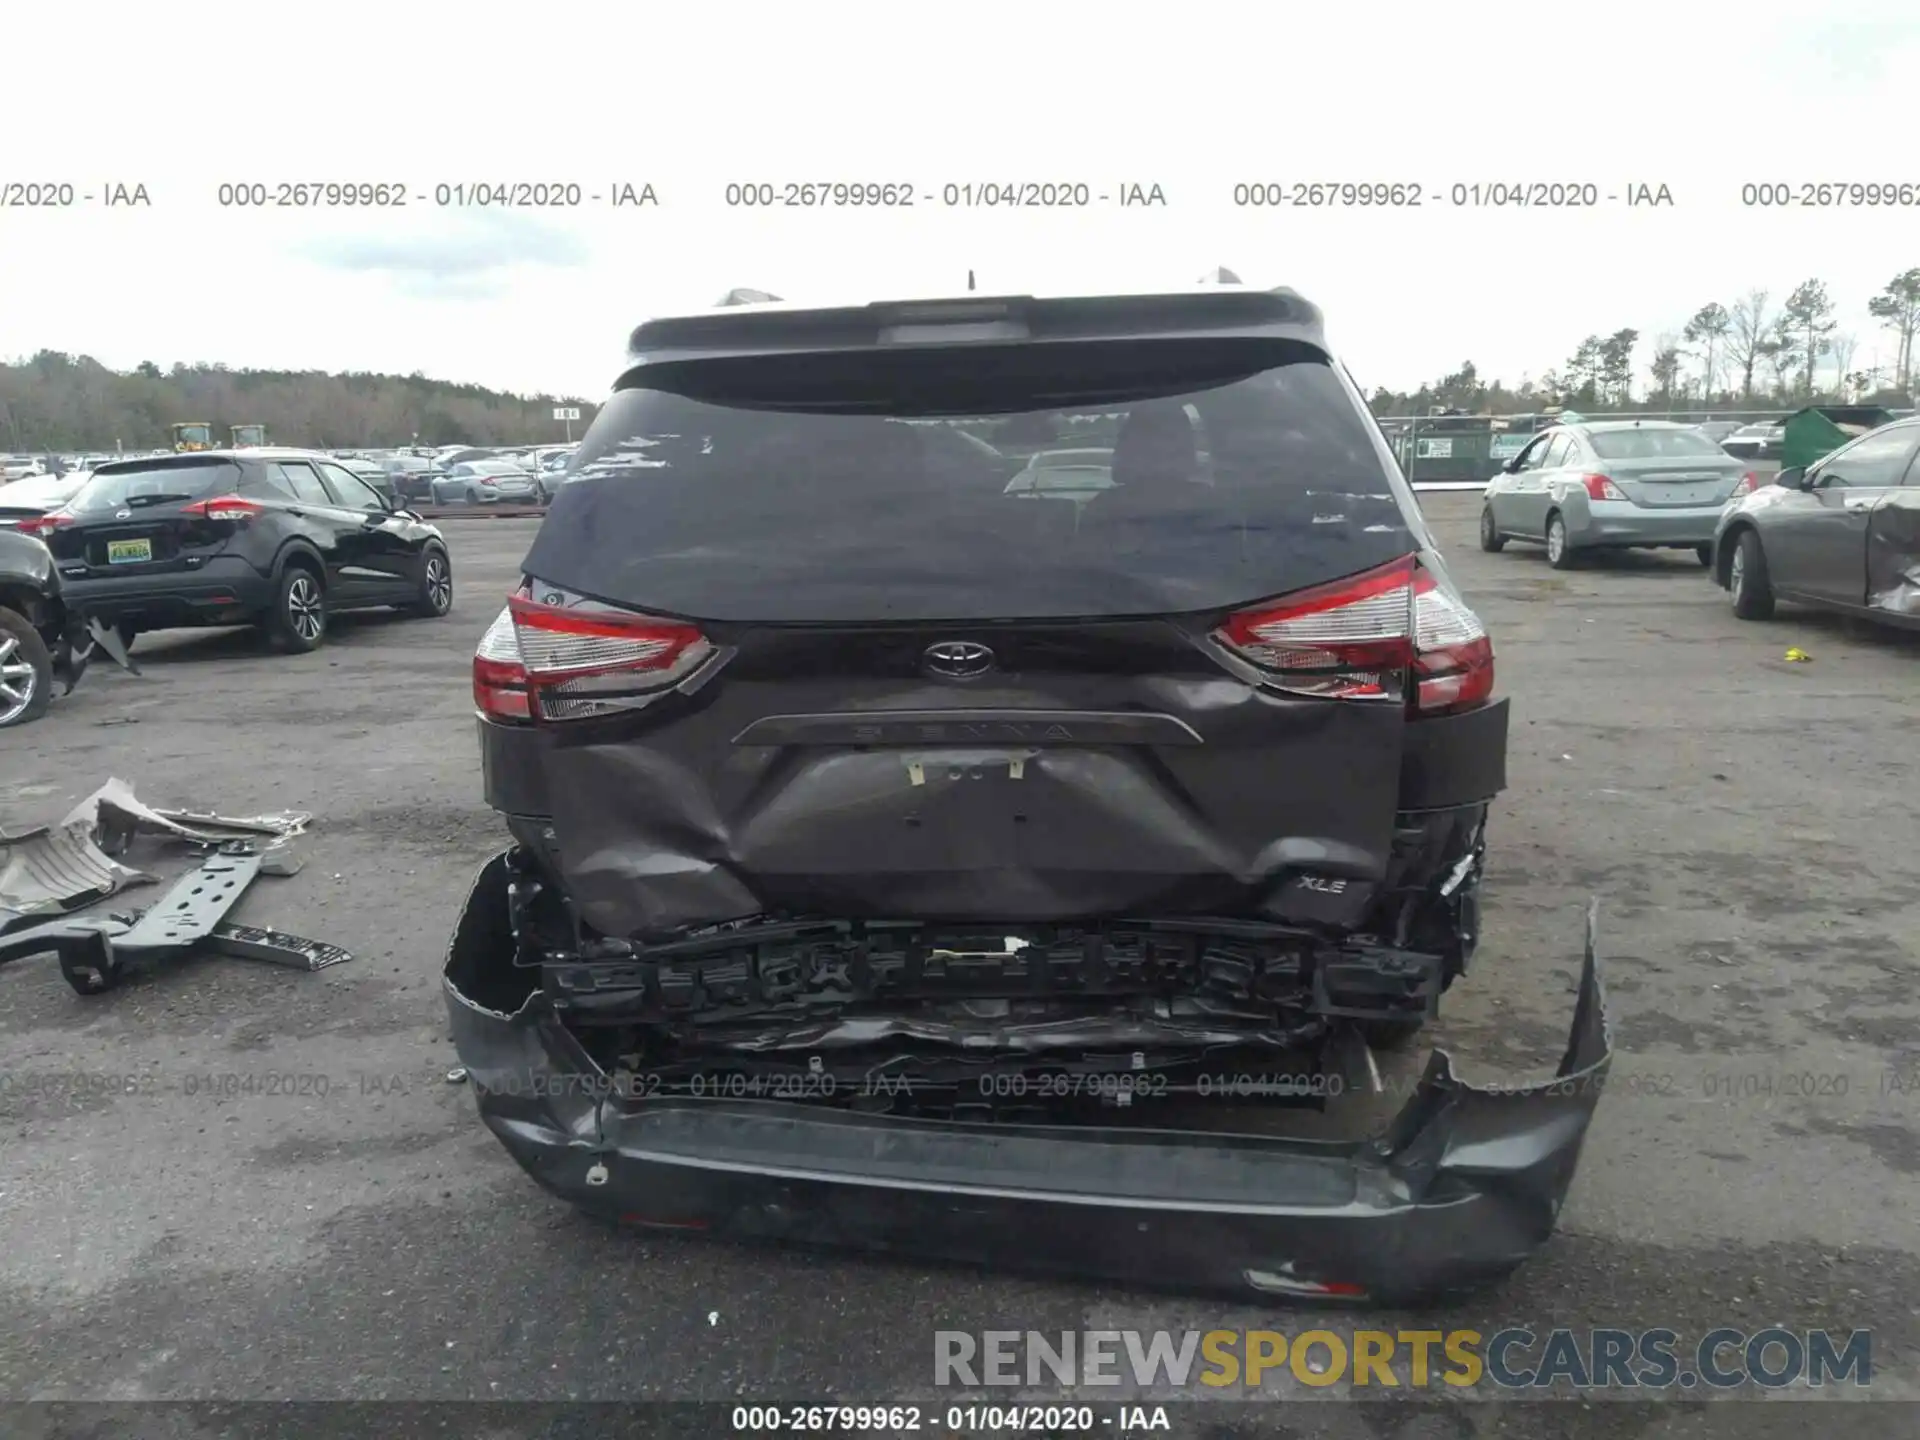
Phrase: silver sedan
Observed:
(1612, 485)
(486, 482)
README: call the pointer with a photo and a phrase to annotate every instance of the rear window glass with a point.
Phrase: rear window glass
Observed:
(163, 483)
(855, 489)
(1652, 444)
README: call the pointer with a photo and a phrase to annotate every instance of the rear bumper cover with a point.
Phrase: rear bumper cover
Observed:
(1617, 522)
(1463, 1186)
(179, 597)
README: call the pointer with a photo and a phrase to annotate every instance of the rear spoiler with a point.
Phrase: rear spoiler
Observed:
(732, 333)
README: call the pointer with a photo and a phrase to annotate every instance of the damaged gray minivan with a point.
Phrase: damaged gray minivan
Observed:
(907, 859)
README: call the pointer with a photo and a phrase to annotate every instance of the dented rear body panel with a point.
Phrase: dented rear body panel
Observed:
(1893, 555)
(877, 794)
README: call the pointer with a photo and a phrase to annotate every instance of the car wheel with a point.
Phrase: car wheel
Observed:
(26, 671)
(436, 586)
(1704, 553)
(1559, 552)
(298, 620)
(1747, 579)
(1491, 540)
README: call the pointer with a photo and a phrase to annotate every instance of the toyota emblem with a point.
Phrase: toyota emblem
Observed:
(958, 660)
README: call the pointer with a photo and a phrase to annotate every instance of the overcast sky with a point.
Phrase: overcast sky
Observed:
(1194, 97)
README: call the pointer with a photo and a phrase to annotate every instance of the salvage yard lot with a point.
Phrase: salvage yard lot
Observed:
(227, 1231)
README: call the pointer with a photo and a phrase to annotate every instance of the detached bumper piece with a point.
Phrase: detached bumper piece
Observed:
(1462, 1187)
(95, 953)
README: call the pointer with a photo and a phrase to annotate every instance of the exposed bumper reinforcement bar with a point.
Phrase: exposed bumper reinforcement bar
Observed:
(1462, 1186)
(96, 952)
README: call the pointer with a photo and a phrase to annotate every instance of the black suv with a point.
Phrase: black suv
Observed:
(893, 843)
(274, 537)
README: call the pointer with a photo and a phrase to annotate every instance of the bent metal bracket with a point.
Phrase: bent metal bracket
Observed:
(57, 870)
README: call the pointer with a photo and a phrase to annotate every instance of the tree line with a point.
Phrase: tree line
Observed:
(56, 402)
(1749, 352)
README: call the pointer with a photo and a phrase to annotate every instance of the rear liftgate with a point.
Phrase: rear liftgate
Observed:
(1464, 1184)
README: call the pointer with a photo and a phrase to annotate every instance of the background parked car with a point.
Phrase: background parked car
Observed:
(1843, 534)
(485, 482)
(412, 477)
(1761, 441)
(1623, 484)
(31, 621)
(275, 537)
(31, 498)
(376, 476)
(1717, 430)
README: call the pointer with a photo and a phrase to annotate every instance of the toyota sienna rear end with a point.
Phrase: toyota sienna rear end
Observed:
(907, 860)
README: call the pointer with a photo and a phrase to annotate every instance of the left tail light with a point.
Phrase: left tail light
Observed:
(575, 661)
(41, 526)
(225, 507)
(1601, 487)
(499, 677)
(1390, 633)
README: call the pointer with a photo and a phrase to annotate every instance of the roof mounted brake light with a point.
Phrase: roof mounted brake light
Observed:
(944, 312)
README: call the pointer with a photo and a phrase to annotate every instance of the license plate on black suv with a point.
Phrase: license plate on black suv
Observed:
(129, 552)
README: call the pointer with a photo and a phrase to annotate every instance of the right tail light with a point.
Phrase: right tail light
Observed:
(1391, 634)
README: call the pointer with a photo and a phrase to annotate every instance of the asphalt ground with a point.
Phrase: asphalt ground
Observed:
(229, 1182)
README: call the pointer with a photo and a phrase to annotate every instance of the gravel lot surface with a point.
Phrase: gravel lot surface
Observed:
(218, 1233)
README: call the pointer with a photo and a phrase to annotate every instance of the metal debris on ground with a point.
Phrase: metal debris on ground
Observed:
(118, 817)
(1798, 656)
(57, 870)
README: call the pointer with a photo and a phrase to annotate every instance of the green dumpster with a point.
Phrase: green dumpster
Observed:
(1819, 430)
(1441, 448)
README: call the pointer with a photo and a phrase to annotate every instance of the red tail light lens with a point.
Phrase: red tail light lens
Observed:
(499, 679)
(1749, 482)
(1349, 640)
(1599, 487)
(1366, 637)
(41, 526)
(1453, 656)
(583, 660)
(225, 507)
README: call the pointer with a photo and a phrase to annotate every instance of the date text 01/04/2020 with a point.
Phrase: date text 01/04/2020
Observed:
(1461, 195)
(457, 194)
(949, 195)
